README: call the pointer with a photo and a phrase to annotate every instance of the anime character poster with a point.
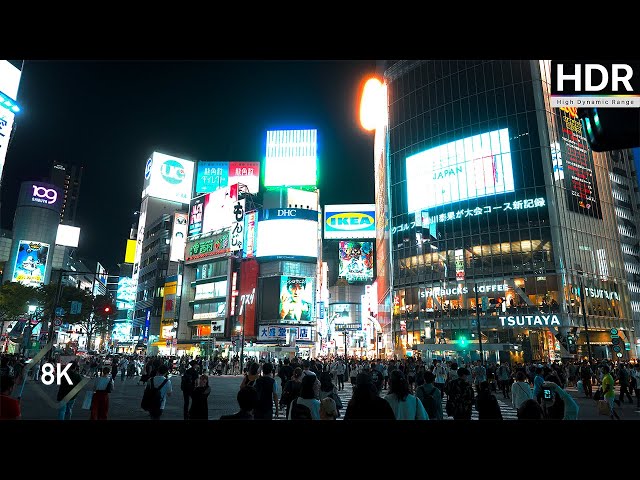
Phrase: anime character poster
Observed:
(31, 263)
(356, 261)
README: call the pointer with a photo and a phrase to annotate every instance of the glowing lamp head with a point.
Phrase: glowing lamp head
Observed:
(107, 309)
(373, 104)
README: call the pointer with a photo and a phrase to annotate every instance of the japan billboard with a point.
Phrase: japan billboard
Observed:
(40, 194)
(249, 270)
(169, 178)
(9, 82)
(31, 263)
(288, 234)
(250, 231)
(237, 227)
(126, 294)
(356, 261)
(68, 236)
(247, 173)
(219, 208)
(350, 221)
(196, 213)
(211, 176)
(208, 247)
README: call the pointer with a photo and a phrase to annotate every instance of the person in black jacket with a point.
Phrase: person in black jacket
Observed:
(187, 385)
(267, 396)
(487, 403)
(66, 409)
(247, 400)
(199, 406)
(366, 404)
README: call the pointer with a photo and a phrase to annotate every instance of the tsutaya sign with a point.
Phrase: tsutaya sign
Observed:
(597, 293)
(530, 320)
(438, 291)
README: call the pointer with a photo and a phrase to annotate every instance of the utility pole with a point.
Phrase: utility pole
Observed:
(584, 313)
(478, 325)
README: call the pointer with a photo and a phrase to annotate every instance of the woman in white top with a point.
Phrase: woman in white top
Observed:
(405, 406)
(520, 390)
(309, 391)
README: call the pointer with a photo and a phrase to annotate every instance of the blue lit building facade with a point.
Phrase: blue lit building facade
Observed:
(499, 214)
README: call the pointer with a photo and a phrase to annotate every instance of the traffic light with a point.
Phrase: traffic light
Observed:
(611, 128)
(463, 341)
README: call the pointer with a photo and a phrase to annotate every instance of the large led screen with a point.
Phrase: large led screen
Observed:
(31, 263)
(291, 158)
(287, 234)
(211, 176)
(168, 178)
(472, 167)
(296, 298)
(356, 261)
(126, 294)
(68, 236)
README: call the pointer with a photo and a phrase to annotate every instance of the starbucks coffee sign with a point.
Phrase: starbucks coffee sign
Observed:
(529, 320)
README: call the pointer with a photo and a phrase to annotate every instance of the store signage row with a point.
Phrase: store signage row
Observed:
(529, 320)
(426, 219)
(596, 293)
(442, 292)
(275, 332)
(341, 327)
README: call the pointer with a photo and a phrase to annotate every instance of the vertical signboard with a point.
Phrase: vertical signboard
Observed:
(196, 213)
(9, 82)
(142, 219)
(579, 171)
(178, 237)
(250, 230)
(459, 265)
(168, 308)
(237, 227)
(249, 270)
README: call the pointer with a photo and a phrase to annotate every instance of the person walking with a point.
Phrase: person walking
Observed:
(102, 387)
(609, 392)
(635, 384)
(124, 363)
(504, 375)
(365, 404)
(460, 396)
(65, 409)
(188, 383)
(200, 395)
(247, 399)
(309, 392)
(624, 380)
(291, 390)
(9, 406)
(405, 406)
(267, 394)
(520, 390)
(340, 370)
(487, 403)
(585, 375)
(163, 383)
(431, 397)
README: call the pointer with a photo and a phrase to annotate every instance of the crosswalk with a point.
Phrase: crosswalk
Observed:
(507, 410)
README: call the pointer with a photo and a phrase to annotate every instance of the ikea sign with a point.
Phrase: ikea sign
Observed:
(349, 221)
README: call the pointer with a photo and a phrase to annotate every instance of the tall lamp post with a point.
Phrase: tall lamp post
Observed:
(584, 313)
(244, 317)
(478, 325)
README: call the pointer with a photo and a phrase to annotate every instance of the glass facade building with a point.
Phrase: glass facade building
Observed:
(500, 214)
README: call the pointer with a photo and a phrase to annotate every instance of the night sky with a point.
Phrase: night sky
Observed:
(110, 116)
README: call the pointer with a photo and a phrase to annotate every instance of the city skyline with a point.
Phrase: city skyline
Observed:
(110, 116)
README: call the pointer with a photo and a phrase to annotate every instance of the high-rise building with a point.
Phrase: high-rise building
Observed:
(502, 223)
(68, 178)
(626, 200)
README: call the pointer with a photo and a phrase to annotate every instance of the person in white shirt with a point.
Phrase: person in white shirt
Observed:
(520, 390)
(405, 406)
(165, 391)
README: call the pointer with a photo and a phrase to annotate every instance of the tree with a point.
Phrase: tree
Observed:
(15, 299)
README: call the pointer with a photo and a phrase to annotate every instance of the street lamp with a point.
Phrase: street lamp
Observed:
(241, 328)
(478, 325)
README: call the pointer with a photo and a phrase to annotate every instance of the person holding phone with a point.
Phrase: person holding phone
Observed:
(571, 408)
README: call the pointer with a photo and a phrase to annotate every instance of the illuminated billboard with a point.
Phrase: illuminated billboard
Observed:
(208, 247)
(472, 167)
(130, 253)
(178, 237)
(40, 194)
(291, 158)
(196, 213)
(218, 209)
(31, 263)
(350, 221)
(250, 231)
(126, 294)
(296, 298)
(168, 178)
(212, 176)
(68, 236)
(9, 82)
(249, 271)
(288, 234)
(356, 261)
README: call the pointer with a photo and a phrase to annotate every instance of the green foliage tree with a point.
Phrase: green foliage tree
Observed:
(15, 299)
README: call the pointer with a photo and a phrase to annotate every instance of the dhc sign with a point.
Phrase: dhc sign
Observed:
(529, 320)
(349, 221)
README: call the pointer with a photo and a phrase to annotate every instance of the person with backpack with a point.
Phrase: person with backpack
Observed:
(460, 396)
(156, 392)
(285, 372)
(188, 384)
(430, 396)
(291, 391)
(247, 400)
(487, 403)
(307, 405)
(267, 394)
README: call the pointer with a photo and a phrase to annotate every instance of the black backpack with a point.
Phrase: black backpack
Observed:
(300, 412)
(152, 397)
(430, 404)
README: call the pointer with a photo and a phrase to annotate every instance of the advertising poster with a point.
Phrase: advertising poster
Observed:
(472, 167)
(196, 214)
(356, 261)
(350, 221)
(168, 178)
(211, 176)
(296, 298)
(247, 173)
(248, 283)
(578, 168)
(31, 263)
(291, 158)
(208, 247)
(250, 230)
(178, 237)
(237, 227)
(126, 294)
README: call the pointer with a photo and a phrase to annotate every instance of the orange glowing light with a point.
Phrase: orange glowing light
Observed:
(372, 104)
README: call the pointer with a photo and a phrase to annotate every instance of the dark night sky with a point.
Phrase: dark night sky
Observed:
(109, 116)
